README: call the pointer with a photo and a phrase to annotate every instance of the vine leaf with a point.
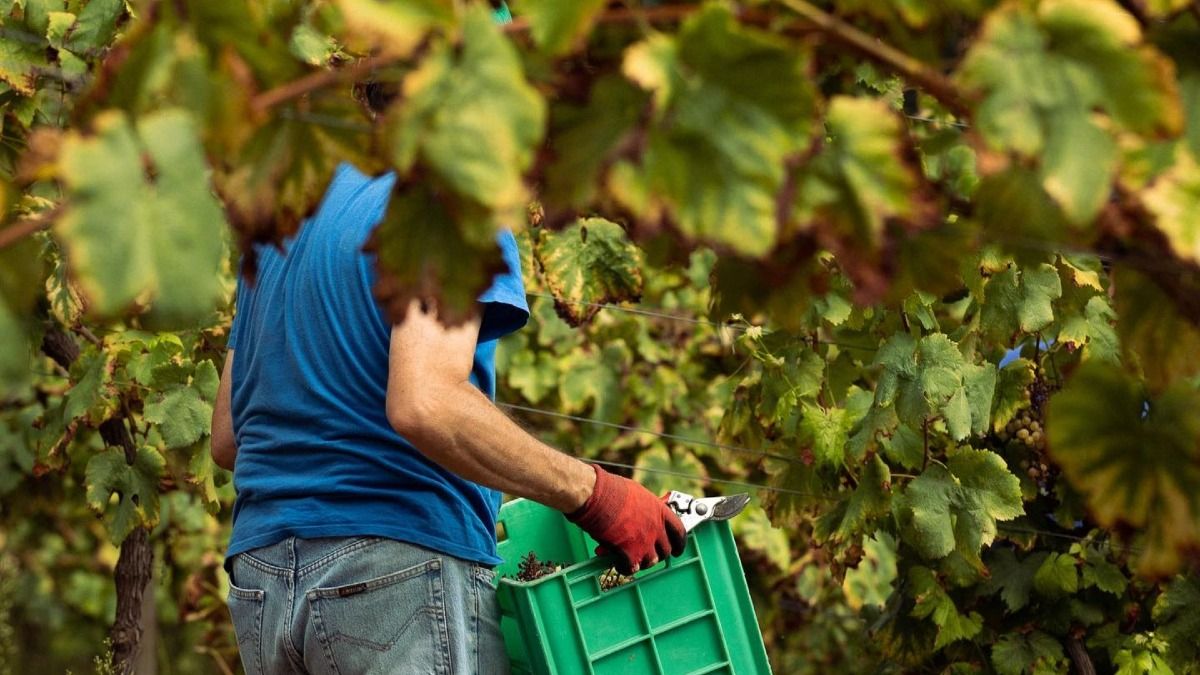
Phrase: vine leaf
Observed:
(19, 63)
(167, 245)
(1012, 386)
(94, 394)
(755, 531)
(1019, 300)
(21, 272)
(468, 116)
(590, 263)
(870, 500)
(136, 487)
(863, 176)
(1057, 576)
(732, 103)
(1092, 329)
(1154, 337)
(933, 603)
(183, 412)
(870, 584)
(1177, 615)
(956, 507)
(95, 25)
(1175, 199)
(1136, 460)
(826, 431)
(397, 27)
(1012, 578)
(1044, 70)
(1035, 652)
(558, 26)
(652, 462)
(930, 378)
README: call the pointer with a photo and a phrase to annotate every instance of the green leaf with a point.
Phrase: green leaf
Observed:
(1044, 70)
(1078, 165)
(96, 25)
(533, 374)
(557, 27)
(1098, 572)
(755, 532)
(422, 254)
(93, 398)
(19, 63)
(1012, 389)
(468, 116)
(584, 138)
(167, 245)
(58, 27)
(864, 176)
(870, 584)
(825, 430)
(661, 470)
(136, 487)
(181, 414)
(1174, 200)
(1177, 614)
(933, 603)
(1057, 576)
(20, 279)
(1035, 653)
(312, 46)
(1093, 331)
(930, 378)
(956, 507)
(1012, 578)
(732, 103)
(1020, 301)
(590, 263)
(869, 501)
(1135, 459)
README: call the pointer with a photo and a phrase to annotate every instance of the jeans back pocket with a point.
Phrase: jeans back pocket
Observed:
(395, 623)
(246, 609)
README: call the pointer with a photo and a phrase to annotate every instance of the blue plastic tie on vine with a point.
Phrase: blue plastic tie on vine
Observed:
(501, 13)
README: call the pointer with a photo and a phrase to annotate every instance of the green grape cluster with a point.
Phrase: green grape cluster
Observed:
(531, 569)
(610, 579)
(1026, 431)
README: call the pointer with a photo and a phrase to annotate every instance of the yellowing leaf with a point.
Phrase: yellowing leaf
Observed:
(1174, 199)
(862, 177)
(731, 104)
(166, 245)
(870, 584)
(1136, 460)
(397, 25)
(592, 262)
(755, 532)
(136, 486)
(468, 116)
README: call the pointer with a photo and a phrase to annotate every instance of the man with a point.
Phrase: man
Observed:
(369, 460)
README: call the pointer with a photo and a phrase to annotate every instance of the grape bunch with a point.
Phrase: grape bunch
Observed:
(1026, 432)
(610, 579)
(531, 569)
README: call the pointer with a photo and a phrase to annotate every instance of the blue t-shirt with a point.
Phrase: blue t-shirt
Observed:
(316, 454)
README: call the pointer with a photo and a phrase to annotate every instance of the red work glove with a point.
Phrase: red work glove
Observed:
(630, 521)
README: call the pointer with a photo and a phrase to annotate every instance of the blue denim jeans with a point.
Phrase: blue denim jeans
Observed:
(357, 605)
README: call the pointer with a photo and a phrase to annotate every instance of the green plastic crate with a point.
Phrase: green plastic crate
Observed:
(691, 615)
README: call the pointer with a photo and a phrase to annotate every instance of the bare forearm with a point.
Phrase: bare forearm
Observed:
(460, 429)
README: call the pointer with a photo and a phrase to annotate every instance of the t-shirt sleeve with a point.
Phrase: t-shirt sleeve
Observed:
(504, 305)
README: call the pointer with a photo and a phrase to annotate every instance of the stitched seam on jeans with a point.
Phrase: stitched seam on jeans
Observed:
(447, 660)
(326, 647)
(324, 560)
(378, 582)
(263, 566)
(475, 617)
(384, 646)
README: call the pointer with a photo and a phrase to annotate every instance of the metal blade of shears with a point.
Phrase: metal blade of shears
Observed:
(730, 506)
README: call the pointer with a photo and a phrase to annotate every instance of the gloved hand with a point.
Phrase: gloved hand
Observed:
(630, 521)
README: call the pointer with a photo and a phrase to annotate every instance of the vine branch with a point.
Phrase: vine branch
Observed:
(25, 227)
(913, 70)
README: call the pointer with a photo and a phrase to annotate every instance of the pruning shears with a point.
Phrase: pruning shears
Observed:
(695, 510)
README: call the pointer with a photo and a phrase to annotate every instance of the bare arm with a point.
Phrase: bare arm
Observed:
(224, 446)
(431, 402)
